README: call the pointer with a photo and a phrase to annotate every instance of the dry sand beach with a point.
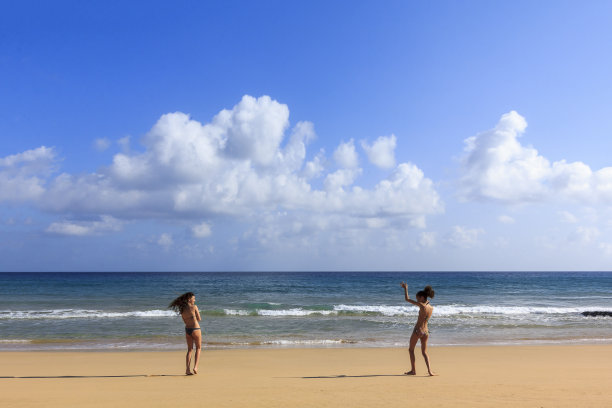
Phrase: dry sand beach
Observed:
(513, 376)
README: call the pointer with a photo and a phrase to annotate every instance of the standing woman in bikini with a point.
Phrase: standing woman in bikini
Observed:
(421, 331)
(186, 307)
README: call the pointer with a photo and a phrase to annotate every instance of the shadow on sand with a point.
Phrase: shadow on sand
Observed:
(348, 376)
(99, 376)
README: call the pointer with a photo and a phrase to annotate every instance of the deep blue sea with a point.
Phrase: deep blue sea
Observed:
(128, 311)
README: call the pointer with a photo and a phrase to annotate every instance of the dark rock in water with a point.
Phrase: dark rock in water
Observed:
(597, 313)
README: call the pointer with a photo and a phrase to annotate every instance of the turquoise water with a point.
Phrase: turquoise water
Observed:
(42, 311)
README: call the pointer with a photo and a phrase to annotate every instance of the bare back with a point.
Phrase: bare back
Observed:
(191, 316)
(425, 312)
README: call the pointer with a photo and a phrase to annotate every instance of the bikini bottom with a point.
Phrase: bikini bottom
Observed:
(190, 330)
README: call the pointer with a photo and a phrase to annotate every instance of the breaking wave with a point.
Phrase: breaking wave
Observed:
(335, 310)
(81, 314)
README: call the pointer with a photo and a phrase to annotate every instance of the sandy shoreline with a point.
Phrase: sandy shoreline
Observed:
(513, 376)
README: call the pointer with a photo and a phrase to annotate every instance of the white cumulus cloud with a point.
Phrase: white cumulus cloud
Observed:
(345, 155)
(202, 230)
(246, 163)
(497, 167)
(315, 167)
(463, 237)
(23, 176)
(382, 152)
(427, 239)
(106, 223)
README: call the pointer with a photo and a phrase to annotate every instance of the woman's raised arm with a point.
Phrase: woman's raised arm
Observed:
(405, 286)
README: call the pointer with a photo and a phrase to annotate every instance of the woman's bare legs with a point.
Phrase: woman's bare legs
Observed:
(197, 339)
(413, 341)
(190, 342)
(425, 355)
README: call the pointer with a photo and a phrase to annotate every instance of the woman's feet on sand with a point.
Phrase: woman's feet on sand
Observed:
(188, 372)
(412, 372)
(195, 370)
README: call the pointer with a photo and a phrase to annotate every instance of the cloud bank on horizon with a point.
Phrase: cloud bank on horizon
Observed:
(250, 168)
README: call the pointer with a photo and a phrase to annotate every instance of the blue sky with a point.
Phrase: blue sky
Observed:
(311, 135)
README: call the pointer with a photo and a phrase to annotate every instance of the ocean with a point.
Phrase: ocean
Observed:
(128, 311)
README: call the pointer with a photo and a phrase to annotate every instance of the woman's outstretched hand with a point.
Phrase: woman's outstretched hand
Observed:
(404, 285)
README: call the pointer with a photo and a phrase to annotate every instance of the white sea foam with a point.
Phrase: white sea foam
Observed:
(451, 310)
(306, 342)
(81, 314)
(382, 310)
(391, 310)
(293, 312)
(234, 312)
(512, 310)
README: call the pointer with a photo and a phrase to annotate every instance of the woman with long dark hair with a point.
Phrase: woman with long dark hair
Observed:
(186, 307)
(421, 331)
